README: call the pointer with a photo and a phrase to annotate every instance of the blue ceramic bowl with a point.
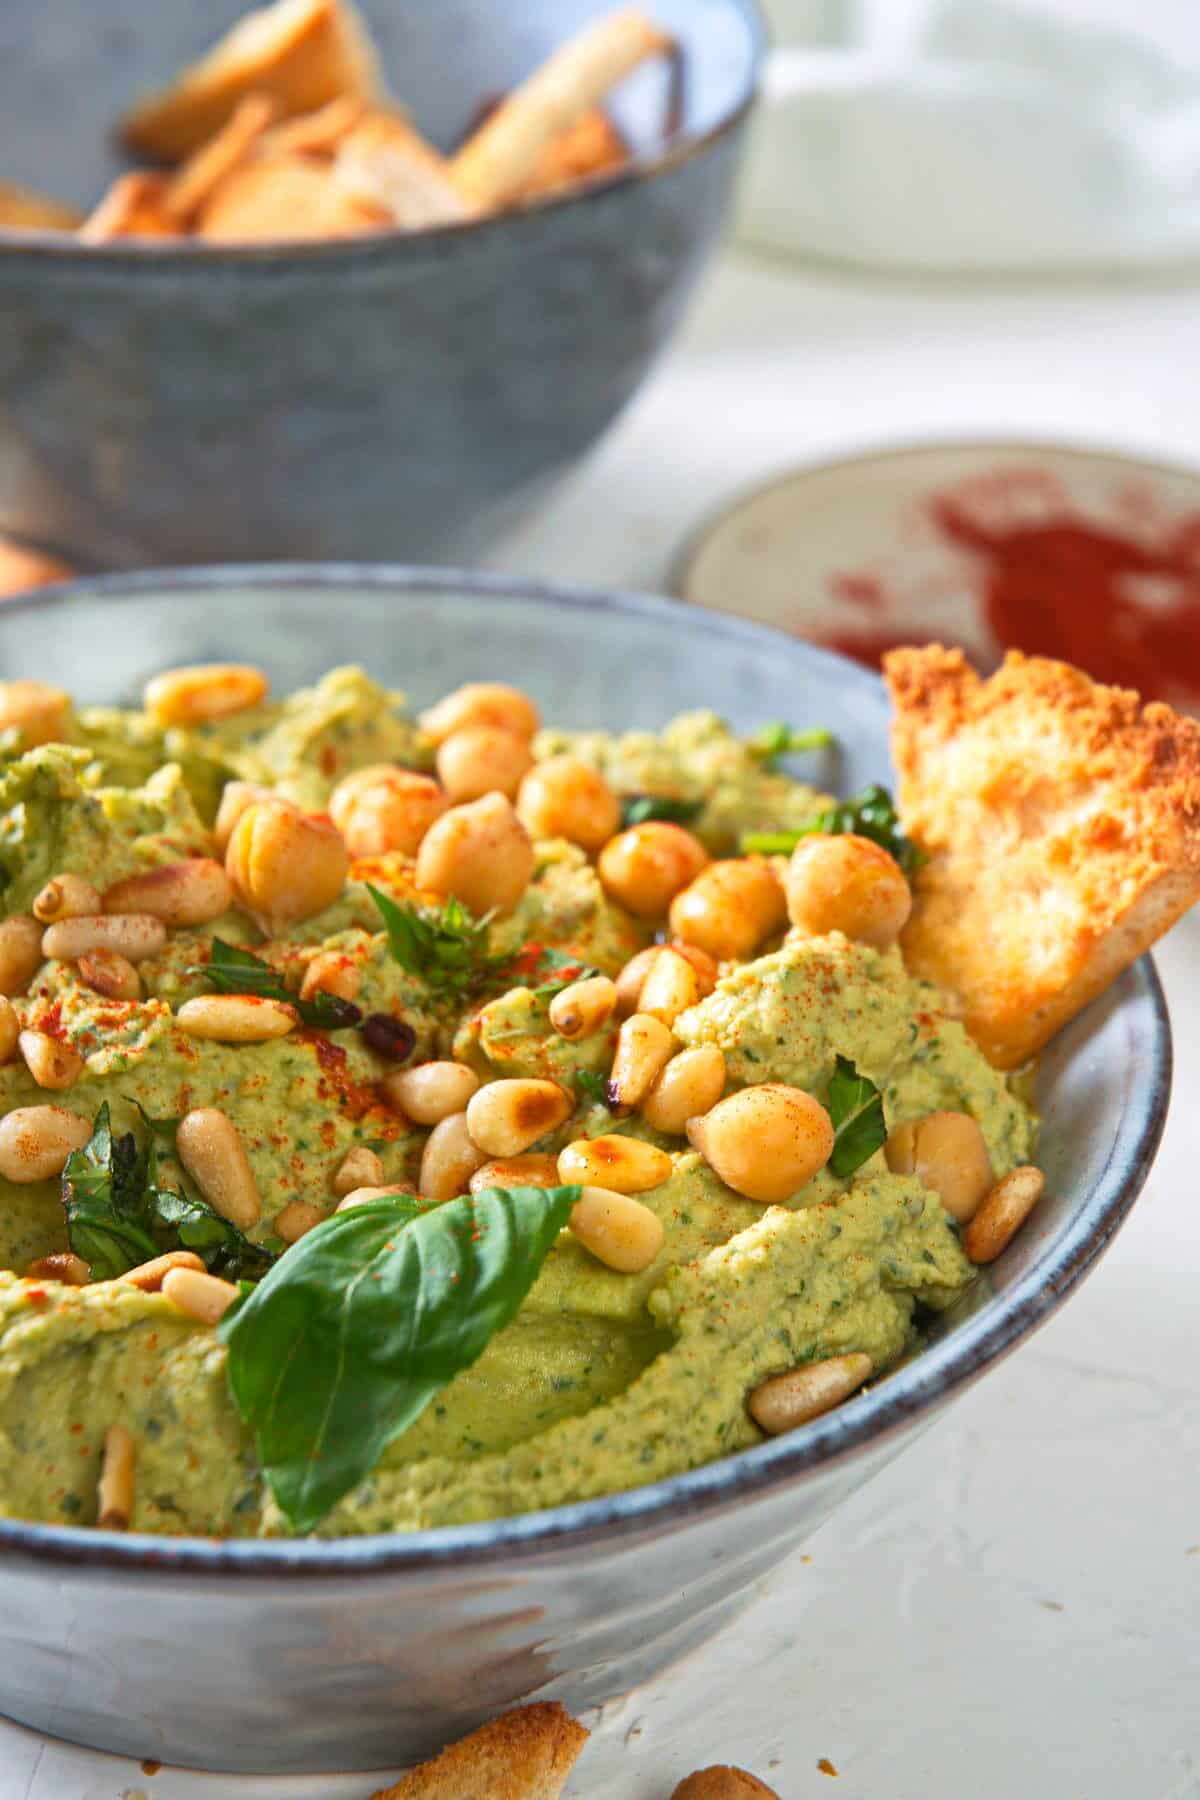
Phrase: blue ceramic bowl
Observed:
(394, 396)
(302, 1656)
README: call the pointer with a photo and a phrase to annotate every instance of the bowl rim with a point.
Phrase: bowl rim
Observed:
(942, 1370)
(173, 254)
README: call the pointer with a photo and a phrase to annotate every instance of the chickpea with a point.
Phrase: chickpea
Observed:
(480, 853)
(643, 869)
(285, 864)
(382, 808)
(203, 692)
(947, 1151)
(765, 1142)
(563, 797)
(331, 972)
(38, 712)
(482, 760)
(847, 884)
(35, 1141)
(690, 1085)
(481, 703)
(236, 796)
(730, 908)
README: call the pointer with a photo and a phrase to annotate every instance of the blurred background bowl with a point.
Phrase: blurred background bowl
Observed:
(391, 396)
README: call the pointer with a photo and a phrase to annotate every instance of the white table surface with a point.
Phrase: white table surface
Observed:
(1011, 1611)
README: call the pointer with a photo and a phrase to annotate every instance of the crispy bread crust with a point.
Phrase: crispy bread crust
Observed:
(1061, 820)
(526, 1754)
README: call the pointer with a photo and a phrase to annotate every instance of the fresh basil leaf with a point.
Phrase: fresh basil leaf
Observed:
(591, 1086)
(780, 739)
(232, 970)
(856, 1109)
(102, 1187)
(193, 1225)
(446, 947)
(871, 814)
(564, 971)
(636, 809)
(349, 1337)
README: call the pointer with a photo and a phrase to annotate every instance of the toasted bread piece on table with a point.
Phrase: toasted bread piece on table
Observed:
(134, 206)
(22, 209)
(270, 198)
(1061, 820)
(385, 162)
(526, 1754)
(302, 52)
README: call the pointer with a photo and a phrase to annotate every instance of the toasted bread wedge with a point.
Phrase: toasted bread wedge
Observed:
(21, 209)
(134, 206)
(1061, 820)
(386, 163)
(591, 147)
(303, 53)
(526, 1754)
(22, 569)
(272, 198)
(203, 172)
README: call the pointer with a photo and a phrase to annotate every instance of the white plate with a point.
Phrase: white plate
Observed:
(867, 553)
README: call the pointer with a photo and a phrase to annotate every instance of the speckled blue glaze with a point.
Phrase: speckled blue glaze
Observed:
(394, 396)
(361, 1653)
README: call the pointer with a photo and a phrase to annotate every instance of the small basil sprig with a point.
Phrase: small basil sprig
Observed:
(366, 1318)
(780, 739)
(563, 971)
(856, 1109)
(871, 814)
(591, 1086)
(636, 809)
(119, 1214)
(231, 970)
(447, 947)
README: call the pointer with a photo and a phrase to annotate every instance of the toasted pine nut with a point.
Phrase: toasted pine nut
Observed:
(730, 907)
(644, 1047)
(948, 1152)
(21, 953)
(506, 1117)
(35, 1141)
(192, 892)
(205, 1298)
(481, 703)
(483, 759)
(782, 1402)
(330, 972)
(203, 692)
(65, 897)
(135, 935)
(633, 976)
(619, 1231)
(235, 1018)
(360, 1195)
(38, 712)
(359, 1167)
(62, 1266)
(449, 1159)
(644, 868)
(535, 1169)
(295, 1219)
(209, 1145)
(691, 1084)
(284, 864)
(115, 1496)
(626, 1165)
(52, 1063)
(765, 1142)
(670, 986)
(1003, 1213)
(109, 973)
(149, 1276)
(236, 797)
(848, 884)
(383, 808)
(10, 1027)
(431, 1091)
(584, 1008)
(564, 797)
(480, 853)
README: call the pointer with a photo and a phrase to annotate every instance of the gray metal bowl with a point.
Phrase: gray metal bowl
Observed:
(393, 396)
(302, 1656)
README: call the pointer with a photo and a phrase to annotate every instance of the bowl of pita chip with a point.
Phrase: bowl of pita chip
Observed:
(320, 282)
(454, 1444)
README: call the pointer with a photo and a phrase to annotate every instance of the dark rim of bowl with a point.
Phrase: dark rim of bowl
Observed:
(680, 148)
(944, 1367)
